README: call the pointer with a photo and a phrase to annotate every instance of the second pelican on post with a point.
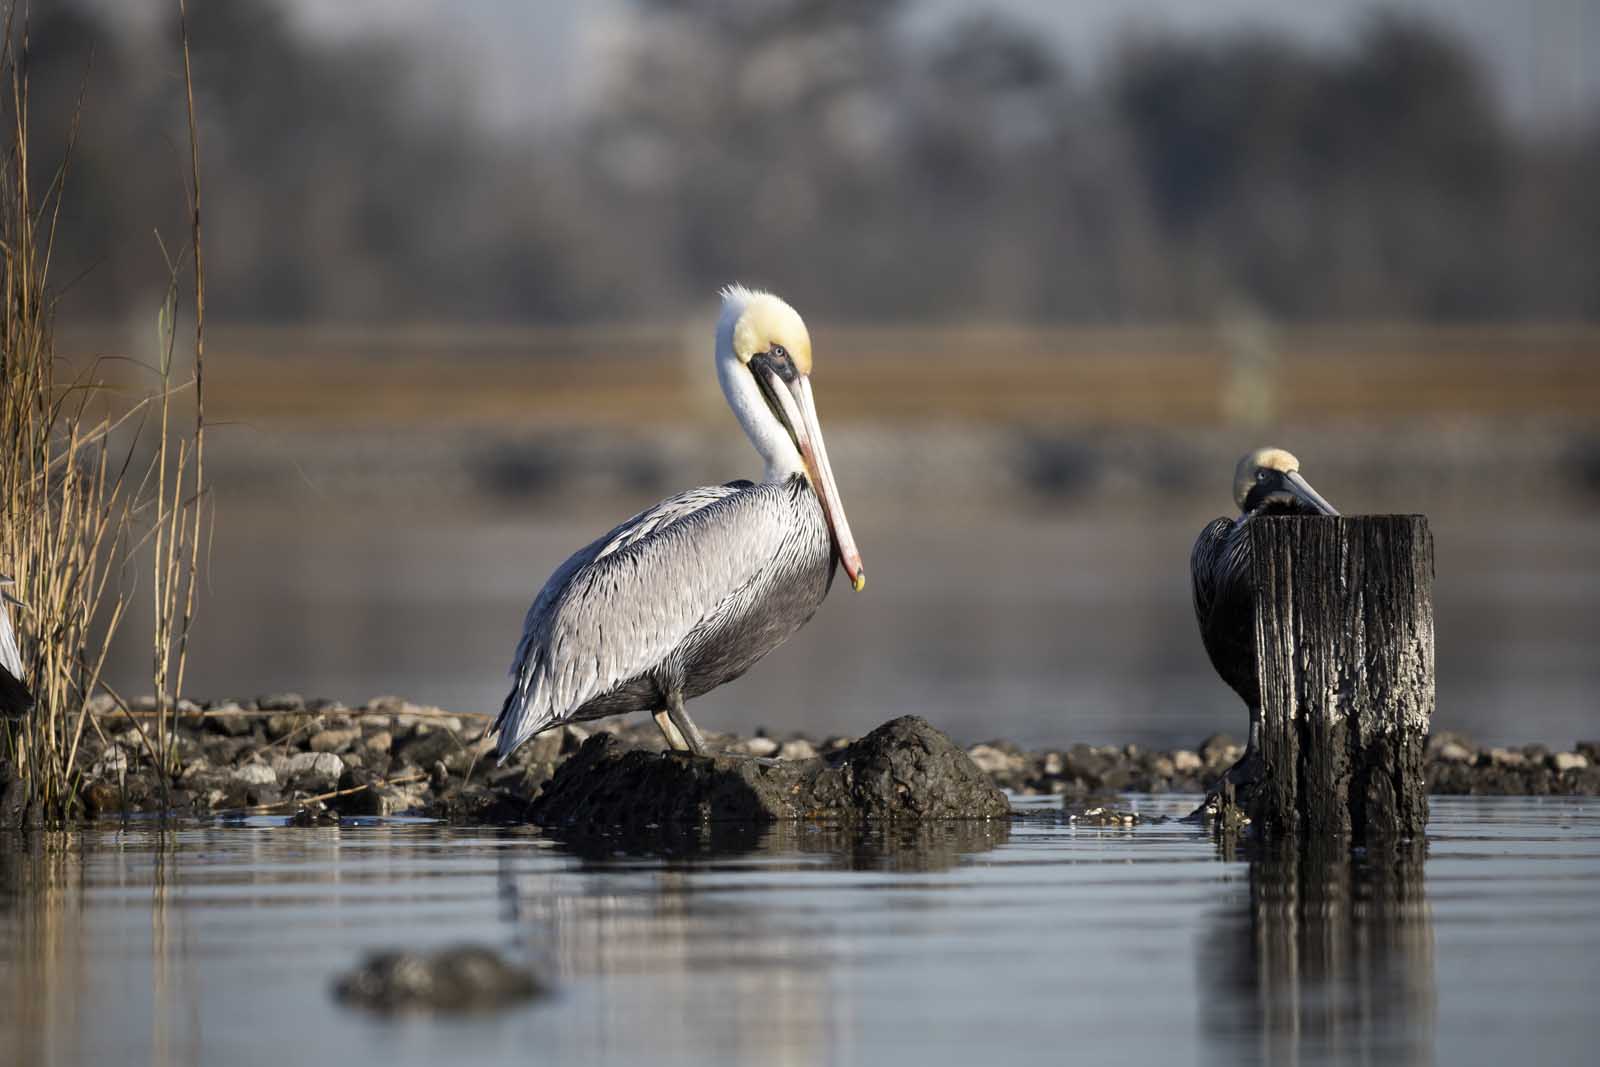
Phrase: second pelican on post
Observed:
(1265, 482)
(690, 593)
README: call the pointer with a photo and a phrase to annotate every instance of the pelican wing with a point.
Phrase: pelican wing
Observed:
(1205, 561)
(1224, 601)
(14, 696)
(621, 606)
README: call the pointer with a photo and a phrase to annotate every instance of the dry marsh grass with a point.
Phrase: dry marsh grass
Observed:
(94, 484)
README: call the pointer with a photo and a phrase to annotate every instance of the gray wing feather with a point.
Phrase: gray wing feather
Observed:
(623, 604)
(10, 654)
(15, 700)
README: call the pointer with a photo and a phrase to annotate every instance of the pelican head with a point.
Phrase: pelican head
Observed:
(1268, 479)
(764, 364)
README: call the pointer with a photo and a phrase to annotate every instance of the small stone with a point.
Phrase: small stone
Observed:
(1053, 764)
(102, 797)
(1453, 752)
(334, 740)
(757, 746)
(1163, 767)
(1186, 761)
(375, 722)
(426, 749)
(229, 720)
(381, 741)
(314, 770)
(1219, 750)
(439, 777)
(990, 760)
(282, 725)
(112, 764)
(1563, 762)
(798, 748)
(255, 774)
(1506, 757)
(281, 702)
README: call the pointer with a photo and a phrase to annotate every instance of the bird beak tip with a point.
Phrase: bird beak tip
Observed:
(859, 582)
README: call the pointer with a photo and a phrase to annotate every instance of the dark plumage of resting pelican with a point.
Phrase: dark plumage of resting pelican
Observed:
(690, 593)
(15, 700)
(1266, 482)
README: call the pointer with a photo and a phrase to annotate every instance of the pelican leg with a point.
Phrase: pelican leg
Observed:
(669, 730)
(680, 719)
(1248, 771)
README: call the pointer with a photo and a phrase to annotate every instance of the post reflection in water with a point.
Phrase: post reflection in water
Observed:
(1332, 958)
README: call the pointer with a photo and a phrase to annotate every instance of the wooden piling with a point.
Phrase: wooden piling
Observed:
(1344, 654)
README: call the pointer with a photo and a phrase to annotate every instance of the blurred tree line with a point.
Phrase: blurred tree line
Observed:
(814, 146)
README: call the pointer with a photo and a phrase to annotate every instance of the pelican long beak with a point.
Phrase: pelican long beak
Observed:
(1302, 489)
(799, 410)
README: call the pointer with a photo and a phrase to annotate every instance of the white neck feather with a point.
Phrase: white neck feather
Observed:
(769, 436)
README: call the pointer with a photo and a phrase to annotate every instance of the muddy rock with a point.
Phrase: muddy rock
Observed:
(427, 749)
(466, 978)
(760, 747)
(255, 774)
(1219, 751)
(316, 771)
(229, 720)
(905, 769)
(336, 740)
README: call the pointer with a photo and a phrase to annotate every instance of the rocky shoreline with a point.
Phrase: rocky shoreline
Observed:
(318, 760)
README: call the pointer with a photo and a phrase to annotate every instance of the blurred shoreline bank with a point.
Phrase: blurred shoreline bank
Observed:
(1398, 417)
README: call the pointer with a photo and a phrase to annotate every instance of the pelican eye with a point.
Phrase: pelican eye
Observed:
(779, 352)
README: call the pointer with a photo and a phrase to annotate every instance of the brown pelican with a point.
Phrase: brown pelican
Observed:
(15, 700)
(690, 593)
(1266, 482)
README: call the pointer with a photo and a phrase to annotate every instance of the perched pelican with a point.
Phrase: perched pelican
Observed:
(15, 700)
(1266, 482)
(690, 593)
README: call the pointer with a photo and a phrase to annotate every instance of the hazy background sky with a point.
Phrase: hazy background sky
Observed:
(527, 61)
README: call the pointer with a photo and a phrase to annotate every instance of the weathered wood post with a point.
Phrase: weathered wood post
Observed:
(1344, 653)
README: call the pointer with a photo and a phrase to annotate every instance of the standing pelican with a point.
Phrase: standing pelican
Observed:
(690, 593)
(1266, 482)
(15, 700)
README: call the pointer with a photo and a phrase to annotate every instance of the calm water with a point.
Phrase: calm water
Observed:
(953, 944)
(1047, 628)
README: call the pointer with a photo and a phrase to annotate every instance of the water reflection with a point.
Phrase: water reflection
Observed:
(1332, 957)
(899, 846)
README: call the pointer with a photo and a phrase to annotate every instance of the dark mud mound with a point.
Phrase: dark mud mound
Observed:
(903, 770)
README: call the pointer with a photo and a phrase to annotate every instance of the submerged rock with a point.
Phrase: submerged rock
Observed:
(905, 769)
(460, 979)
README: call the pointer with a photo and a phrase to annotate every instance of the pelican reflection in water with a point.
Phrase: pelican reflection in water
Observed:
(1266, 482)
(690, 593)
